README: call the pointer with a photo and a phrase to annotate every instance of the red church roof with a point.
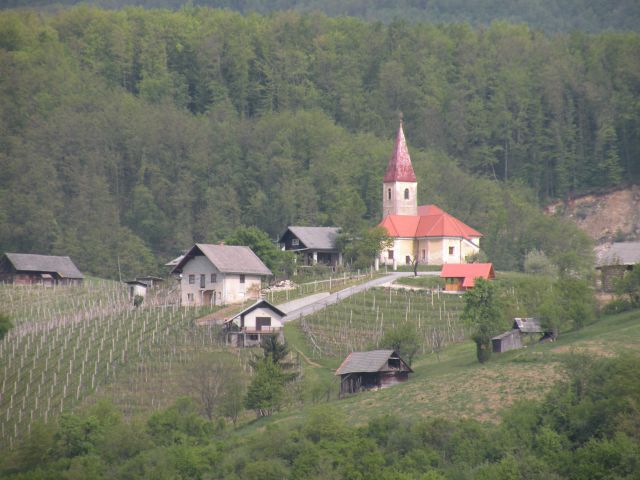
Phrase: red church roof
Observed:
(431, 221)
(399, 168)
(468, 272)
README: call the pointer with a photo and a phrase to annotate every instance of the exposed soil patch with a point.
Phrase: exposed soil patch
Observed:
(609, 217)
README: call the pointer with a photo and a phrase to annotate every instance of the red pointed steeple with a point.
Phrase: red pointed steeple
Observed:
(399, 168)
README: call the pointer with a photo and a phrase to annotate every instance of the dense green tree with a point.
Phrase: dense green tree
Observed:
(278, 261)
(403, 339)
(266, 390)
(483, 316)
(5, 325)
(629, 285)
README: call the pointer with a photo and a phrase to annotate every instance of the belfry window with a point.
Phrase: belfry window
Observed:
(389, 194)
(406, 194)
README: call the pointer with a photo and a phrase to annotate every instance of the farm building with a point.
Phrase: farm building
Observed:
(370, 370)
(137, 289)
(31, 269)
(614, 262)
(313, 244)
(150, 281)
(247, 328)
(426, 233)
(521, 329)
(461, 277)
(219, 275)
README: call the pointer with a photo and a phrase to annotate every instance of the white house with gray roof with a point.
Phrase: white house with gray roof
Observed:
(313, 244)
(219, 275)
(32, 269)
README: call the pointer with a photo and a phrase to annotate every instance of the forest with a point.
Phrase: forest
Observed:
(549, 15)
(127, 135)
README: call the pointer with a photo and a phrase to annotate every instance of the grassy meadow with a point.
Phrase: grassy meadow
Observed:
(454, 385)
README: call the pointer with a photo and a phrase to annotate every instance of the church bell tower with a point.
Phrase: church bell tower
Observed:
(399, 186)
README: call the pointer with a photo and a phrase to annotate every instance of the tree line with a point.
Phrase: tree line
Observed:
(549, 15)
(128, 135)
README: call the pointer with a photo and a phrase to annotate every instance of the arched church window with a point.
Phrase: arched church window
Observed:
(406, 194)
(389, 194)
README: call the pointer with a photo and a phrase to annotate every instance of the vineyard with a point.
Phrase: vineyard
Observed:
(359, 322)
(71, 343)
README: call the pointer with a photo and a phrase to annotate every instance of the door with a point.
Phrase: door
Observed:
(263, 322)
(207, 297)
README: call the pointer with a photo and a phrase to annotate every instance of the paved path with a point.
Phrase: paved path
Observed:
(308, 305)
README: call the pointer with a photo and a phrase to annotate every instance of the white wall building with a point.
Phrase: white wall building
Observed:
(219, 275)
(249, 326)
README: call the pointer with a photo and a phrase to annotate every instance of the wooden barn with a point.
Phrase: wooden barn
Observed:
(522, 329)
(616, 261)
(371, 370)
(31, 269)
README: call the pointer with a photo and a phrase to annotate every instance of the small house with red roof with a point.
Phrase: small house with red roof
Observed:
(461, 277)
(426, 233)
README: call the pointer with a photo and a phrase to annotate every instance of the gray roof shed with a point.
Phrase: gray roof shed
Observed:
(528, 325)
(621, 253)
(366, 362)
(316, 238)
(29, 262)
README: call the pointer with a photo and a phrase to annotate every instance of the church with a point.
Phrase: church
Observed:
(424, 233)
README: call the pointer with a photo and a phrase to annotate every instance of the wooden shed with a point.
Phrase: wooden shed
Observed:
(372, 370)
(32, 269)
(616, 261)
(522, 328)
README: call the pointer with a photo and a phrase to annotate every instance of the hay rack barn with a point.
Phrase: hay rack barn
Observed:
(372, 370)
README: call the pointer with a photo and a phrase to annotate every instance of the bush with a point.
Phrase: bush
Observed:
(618, 306)
(536, 262)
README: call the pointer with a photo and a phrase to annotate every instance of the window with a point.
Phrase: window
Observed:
(295, 242)
(389, 194)
(406, 194)
(390, 255)
(203, 279)
(452, 250)
(214, 278)
(241, 278)
(424, 255)
(190, 297)
(407, 259)
(192, 279)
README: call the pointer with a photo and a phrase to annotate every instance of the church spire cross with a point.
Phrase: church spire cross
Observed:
(399, 168)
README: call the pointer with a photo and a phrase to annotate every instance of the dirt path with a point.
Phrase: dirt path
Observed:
(308, 360)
